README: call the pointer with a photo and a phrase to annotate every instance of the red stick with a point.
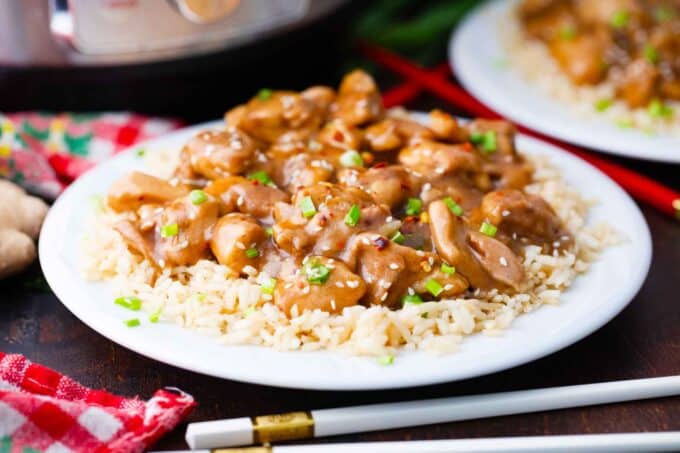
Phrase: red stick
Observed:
(639, 186)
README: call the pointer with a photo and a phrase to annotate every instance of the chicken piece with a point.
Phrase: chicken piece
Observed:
(266, 118)
(135, 189)
(325, 231)
(520, 215)
(460, 188)
(581, 58)
(235, 234)
(322, 97)
(503, 135)
(175, 235)
(389, 185)
(183, 231)
(339, 134)
(358, 101)
(393, 132)
(304, 170)
(216, 154)
(601, 12)
(446, 127)
(247, 196)
(638, 83)
(434, 158)
(323, 284)
(389, 269)
(544, 19)
(484, 261)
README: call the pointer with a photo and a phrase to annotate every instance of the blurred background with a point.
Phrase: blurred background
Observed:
(192, 59)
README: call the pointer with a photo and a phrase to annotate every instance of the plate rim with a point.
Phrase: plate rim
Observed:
(57, 278)
(561, 127)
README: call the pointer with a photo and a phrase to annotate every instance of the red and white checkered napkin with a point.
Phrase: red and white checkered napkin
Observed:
(43, 410)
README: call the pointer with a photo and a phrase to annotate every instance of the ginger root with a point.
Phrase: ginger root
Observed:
(21, 217)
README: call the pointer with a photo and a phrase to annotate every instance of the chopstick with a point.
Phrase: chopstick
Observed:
(639, 186)
(376, 417)
(620, 442)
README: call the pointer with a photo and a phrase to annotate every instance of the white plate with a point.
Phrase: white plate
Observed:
(593, 300)
(475, 50)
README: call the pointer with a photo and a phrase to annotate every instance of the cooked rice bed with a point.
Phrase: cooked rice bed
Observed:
(211, 299)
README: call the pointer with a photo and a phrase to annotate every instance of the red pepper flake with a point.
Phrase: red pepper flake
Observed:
(405, 187)
(338, 136)
(380, 165)
(467, 146)
(381, 242)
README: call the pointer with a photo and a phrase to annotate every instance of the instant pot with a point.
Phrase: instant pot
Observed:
(187, 58)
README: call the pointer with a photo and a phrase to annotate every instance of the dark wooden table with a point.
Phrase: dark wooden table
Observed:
(643, 341)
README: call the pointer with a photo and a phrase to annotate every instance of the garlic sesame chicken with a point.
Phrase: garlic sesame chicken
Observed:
(335, 202)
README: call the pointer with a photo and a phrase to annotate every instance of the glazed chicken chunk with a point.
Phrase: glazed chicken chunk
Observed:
(326, 202)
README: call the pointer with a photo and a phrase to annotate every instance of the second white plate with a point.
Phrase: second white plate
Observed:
(475, 50)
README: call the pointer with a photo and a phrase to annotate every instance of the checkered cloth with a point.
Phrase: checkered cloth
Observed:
(44, 152)
(42, 410)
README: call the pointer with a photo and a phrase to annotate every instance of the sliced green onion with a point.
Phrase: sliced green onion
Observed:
(476, 138)
(603, 104)
(352, 217)
(658, 109)
(268, 285)
(169, 230)
(414, 206)
(662, 13)
(434, 287)
(489, 142)
(385, 360)
(412, 299)
(155, 316)
(134, 322)
(351, 158)
(398, 237)
(317, 273)
(488, 229)
(650, 53)
(264, 94)
(620, 19)
(140, 152)
(197, 197)
(453, 206)
(624, 123)
(262, 177)
(448, 269)
(252, 253)
(307, 207)
(131, 302)
(567, 33)
(269, 231)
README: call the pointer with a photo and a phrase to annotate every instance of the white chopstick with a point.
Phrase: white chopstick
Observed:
(375, 417)
(591, 443)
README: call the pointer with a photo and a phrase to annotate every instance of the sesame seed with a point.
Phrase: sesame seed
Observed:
(439, 171)
(339, 284)
(503, 261)
(384, 296)
(514, 236)
(505, 213)
(288, 285)
(427, 186)
(240, 245)
(394, 266)
(306, 290)
(410, 291)
(420, 253)
(239, 200)
(556, 244)
(353, 283)
(448, 287)
(389, 219)
(250, 270)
